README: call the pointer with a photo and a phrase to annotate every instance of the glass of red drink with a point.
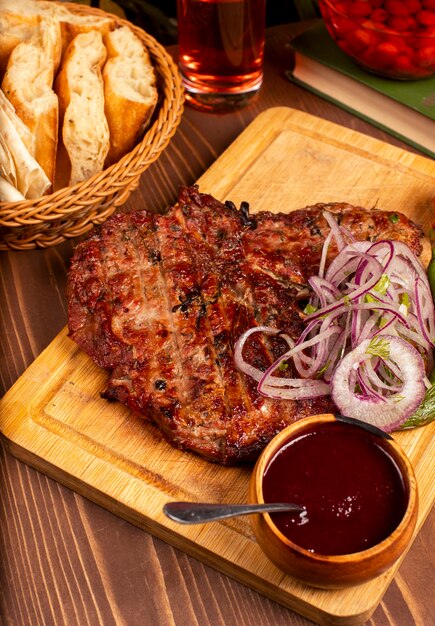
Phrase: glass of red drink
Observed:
(221, 45)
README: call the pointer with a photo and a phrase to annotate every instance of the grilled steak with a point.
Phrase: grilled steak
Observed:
(159, 301)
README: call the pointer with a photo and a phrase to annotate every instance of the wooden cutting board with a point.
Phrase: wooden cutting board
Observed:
(54, 419)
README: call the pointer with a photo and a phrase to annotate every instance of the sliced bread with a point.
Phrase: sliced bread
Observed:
(79, 86)
(28, 11)
(28, 83)
(130, 91)
(14, 29)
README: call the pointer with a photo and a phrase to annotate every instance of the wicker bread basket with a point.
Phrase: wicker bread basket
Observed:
(71, 211)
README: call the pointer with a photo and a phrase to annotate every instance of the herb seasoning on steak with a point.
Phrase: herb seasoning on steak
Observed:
(160, 300)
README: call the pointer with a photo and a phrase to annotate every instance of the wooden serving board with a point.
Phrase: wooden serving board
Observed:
(54, 419)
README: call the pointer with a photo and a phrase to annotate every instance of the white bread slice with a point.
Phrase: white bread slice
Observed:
(28, 83)
(130, 91)
(72, 23)
(13, 30)
(48, 8)
(82, 24)
(79, 85)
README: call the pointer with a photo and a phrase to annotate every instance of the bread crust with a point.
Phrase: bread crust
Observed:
(79, 86)
(14, 29)
(27, 84)
(71, 28)
(20, 18)
(81, 117)
(130, 91)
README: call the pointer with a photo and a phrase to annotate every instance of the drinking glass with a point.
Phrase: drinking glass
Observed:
(221, 44)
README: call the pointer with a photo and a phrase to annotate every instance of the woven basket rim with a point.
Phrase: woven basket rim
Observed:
(16, 216)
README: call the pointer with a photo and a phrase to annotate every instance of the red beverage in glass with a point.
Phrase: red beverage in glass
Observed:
(221, 45)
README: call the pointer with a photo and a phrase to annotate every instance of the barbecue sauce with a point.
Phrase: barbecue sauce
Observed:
(352, 489)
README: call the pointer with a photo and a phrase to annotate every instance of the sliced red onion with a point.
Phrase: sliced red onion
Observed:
(374, 375)
(353, 296)
(402, 251)
(335, 230)
(240, 362)
(371, 292)
(349, 256)
(336, 349)
(302, 392)
(324, 255)
(269, 376)
(325, 290)
(364, 328)
(390, 411)
(290, 342)
(384, 250)
(424, 309)
(417, 340)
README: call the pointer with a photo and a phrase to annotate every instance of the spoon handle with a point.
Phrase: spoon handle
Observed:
(199, 513)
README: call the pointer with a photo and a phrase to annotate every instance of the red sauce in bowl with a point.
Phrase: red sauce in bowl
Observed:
(348, 481)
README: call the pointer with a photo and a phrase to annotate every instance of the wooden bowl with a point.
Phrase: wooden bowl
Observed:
(332, 571)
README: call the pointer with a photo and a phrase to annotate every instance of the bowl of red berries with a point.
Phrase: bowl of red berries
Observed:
(391, 38)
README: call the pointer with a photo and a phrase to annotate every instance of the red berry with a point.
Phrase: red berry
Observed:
(425, 57)
(412, 23)
(396, 8)
(341, 7)
(399, 24)
(371, 60)
(344, 26)
(376, 25)
(429, 4)
(422, 42)
(359, 8)
(379, 15)
(412, 5)
(386, 53)
(344, 46)
(399, 43)
(404, 65)
(359, 40)
(425, 18)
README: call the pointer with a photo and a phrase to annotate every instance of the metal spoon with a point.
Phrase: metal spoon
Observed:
(200, 512)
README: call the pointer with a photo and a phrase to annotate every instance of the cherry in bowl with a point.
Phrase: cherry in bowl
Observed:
(391, 38)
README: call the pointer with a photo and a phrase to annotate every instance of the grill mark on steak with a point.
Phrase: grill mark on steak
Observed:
(219, 236)
(215, 299)
(93, 306)
(139, 318)
(160, 300)
(185, 276)
(168, 374)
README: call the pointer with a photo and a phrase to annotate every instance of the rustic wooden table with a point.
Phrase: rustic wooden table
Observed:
(65, 560)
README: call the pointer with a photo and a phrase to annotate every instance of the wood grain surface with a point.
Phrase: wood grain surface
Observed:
(64, 559)
(54, 418)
